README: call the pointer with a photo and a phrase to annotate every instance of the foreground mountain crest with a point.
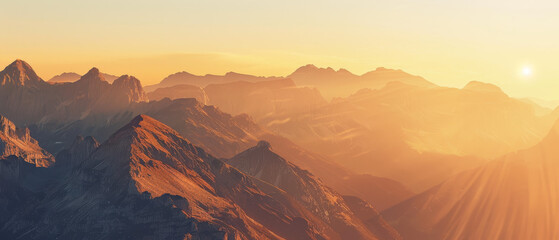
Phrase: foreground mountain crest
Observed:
(147, 169)
(260, 162)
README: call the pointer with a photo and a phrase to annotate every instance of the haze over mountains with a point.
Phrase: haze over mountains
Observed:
(513, 197)
(319, 154)
(388, 120)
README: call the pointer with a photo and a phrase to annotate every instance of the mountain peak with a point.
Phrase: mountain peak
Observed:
(92, 75)
(19, 73)
(145, 123)
(20, 65)
(481, 86)
(263, 145)
(131, 87)
(143, 120)
(126, 79)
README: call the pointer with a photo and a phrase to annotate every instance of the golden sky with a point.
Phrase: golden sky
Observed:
(449, 42)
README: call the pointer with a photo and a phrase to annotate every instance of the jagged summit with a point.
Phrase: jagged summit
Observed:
(144, 131)
(93, 75)
(18, 142)
(264, 145)
(19, 65)
(127, 80)
(143, 120)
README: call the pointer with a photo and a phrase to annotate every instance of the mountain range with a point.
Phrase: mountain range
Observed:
(385, 131)
(69, 77)
(318, 154)
(144, 177)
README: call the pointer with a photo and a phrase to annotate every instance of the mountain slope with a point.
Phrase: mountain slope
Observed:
(146, 177)
(514, 197)
(267, 166)
(223, 136)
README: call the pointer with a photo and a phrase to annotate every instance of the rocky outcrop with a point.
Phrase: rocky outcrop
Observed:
(18, 142)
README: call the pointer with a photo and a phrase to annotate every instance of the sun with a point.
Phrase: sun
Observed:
(527, 71)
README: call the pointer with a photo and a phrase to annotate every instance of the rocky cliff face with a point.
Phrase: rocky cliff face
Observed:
(180, 91)
(18, 142)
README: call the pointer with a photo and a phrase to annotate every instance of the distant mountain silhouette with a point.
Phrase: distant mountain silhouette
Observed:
(329, 82)
(72, 77)
(263, 98)
(180, 91)
(343, 83)
(182, 78)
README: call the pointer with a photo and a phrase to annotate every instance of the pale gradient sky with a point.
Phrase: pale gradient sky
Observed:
(449, 42)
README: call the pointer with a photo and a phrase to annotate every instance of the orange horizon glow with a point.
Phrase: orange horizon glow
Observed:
(449, 43)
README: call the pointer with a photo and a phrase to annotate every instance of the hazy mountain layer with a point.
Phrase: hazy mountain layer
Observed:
(182, 78)
(68, 77)
(514, 197)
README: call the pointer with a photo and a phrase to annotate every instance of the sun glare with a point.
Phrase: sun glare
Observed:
(527, 71)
